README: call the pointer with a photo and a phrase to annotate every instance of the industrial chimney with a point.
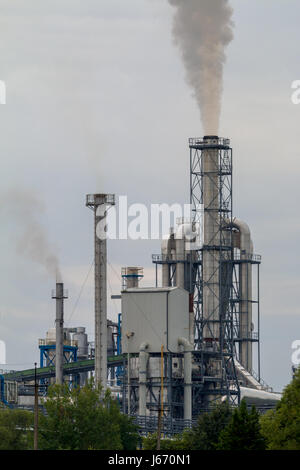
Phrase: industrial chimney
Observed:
(59, 294)
(131, 276)
(211, 242)
(99, 203)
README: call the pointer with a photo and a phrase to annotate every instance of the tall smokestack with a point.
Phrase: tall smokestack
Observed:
(99, 203)
(211, 242)
(59, 294)
(211, 196)
(202, 29)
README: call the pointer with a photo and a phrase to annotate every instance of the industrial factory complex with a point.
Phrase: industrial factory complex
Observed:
(177, 348)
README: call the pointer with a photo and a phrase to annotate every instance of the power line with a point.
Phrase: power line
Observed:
(81, 290)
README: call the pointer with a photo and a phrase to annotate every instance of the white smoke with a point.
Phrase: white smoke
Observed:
(202, 29)
(22, 208)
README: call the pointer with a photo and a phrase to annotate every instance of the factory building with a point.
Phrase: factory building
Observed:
(189, 343)
(181, 347)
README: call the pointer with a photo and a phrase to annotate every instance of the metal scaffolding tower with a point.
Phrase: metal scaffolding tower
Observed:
(211, 200)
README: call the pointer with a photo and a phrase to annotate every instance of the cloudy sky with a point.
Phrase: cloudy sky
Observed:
(97, 102)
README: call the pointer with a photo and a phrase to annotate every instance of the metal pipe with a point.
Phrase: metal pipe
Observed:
(128, 384)
(188, 348)
(162, 379)
(180, 255)
(166, 253)
(143, 360)
(191, 319)
(258, 319)
(245, 280)
(36, 410)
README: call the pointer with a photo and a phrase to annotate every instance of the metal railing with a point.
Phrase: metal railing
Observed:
(198, 141)
(246, 257)
(171, 427)
(49, 342)
(245, 333)
(264, 384)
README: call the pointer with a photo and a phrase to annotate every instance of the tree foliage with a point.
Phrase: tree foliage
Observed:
(16, 428)
(243, 431)
(281, 427)
(203, 436)
(82, 418)
(176, 443)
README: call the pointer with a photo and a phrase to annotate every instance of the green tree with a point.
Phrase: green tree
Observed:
(82, 418)
(281, 427)
(205, 435)
(243, 431)
(16, 428)
(177, 443)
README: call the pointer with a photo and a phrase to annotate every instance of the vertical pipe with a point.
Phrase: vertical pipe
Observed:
(128, 382)
(180, 255)
(191, 319)
(143, 359)
(258, 320)
(162, 379)
(59, 325)
(165, 275)
(170, 384)
(124, 386)
(36, 411)
(187, 377)
(244, 243)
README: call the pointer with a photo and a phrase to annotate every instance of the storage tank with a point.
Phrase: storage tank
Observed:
(81, 339)
(110, 339)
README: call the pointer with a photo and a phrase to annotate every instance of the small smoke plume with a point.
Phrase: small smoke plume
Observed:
(202, 29)
(22, 209)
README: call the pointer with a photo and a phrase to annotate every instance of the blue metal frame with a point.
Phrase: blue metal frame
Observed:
(44, 354)
(2, 391)
(70, 355)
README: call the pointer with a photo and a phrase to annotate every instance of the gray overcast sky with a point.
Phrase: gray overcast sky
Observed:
(97, 101)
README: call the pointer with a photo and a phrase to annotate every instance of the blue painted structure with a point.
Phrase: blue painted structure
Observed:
(70, 354)
(46, 360)
(2, 391)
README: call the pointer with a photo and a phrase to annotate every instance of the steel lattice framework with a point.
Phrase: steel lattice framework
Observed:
(211, 201)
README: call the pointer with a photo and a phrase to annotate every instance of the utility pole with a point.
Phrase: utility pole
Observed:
(159, 423)
(36, 410)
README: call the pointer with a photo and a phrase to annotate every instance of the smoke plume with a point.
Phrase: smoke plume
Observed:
(202, 29)
(22, 209)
